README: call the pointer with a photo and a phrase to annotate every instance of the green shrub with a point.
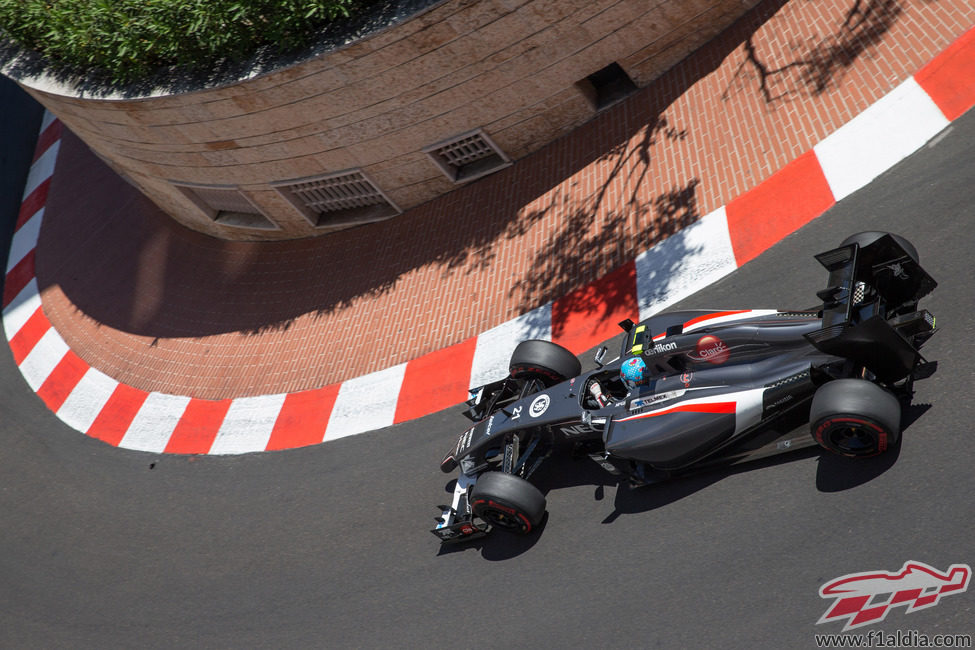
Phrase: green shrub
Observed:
(126, 40)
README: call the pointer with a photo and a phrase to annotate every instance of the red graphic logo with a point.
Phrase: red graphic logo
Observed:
(864, 598)
(712, 349)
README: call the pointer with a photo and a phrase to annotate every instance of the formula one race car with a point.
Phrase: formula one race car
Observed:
(692, 389)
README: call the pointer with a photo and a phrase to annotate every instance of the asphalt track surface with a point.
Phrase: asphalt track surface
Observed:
(328, 546)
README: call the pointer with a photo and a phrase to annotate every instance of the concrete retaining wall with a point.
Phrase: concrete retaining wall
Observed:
(513, 69)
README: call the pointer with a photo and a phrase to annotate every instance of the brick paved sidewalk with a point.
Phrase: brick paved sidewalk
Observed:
(165, 309)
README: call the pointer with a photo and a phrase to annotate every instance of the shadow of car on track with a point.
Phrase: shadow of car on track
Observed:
(833, 474)
(499, 546)
(644, 499)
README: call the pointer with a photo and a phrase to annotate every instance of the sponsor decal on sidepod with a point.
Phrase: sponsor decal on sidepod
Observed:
(712, 349)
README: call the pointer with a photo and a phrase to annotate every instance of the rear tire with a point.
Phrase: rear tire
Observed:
(543, 360)
(870, 236)
(507, 502)
(855, 418)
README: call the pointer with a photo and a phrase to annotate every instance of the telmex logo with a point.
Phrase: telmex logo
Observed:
(864, 598)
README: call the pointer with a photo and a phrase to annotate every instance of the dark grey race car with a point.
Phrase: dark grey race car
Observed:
(716, 385)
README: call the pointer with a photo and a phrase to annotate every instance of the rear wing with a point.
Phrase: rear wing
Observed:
(870, 307)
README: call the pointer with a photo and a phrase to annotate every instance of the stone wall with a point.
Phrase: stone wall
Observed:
(226, 160)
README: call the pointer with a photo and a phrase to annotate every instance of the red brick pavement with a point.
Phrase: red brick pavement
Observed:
(162, 308)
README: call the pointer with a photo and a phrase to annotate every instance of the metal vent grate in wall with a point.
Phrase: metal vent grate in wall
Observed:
(227, 206)
(467, 156)
(339, 199)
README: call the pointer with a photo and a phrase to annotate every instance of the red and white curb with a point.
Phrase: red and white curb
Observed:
(97, 405)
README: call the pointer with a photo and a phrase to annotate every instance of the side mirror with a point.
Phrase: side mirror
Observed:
(598, 357)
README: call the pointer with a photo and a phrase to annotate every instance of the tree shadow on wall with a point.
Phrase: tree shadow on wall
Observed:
(127, 265)
(597, 234)
(820, 62)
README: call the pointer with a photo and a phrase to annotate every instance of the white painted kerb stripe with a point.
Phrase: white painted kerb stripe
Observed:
(684, 263)
(366, 403)
(153, 425)
(21, 308)
(87, 400)
(492, 353)
(42, 168)
(45, 356)
(47, 121)
(25, 239)
(891, 129)
(248, 424)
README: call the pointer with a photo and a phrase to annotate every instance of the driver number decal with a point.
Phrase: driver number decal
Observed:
(538, 406)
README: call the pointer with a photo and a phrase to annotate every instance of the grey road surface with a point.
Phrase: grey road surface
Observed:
(328, 546)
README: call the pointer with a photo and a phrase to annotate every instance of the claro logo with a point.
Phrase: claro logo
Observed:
(712, 349)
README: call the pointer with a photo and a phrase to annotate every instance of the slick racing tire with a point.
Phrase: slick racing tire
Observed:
(855, 418)
(870, 236)
(543, 360)
(507, 502)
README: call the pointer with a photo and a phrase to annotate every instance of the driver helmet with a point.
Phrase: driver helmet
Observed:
(634, 373)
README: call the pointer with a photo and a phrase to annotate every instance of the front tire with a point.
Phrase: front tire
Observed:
(855, 418)
(543, 360)
(507, 502)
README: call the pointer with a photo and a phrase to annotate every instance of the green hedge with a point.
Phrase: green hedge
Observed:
(125, 40)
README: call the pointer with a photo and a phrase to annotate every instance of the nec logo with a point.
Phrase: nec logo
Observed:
(864, 598)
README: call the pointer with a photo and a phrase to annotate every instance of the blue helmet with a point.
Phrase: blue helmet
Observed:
(634, 373)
